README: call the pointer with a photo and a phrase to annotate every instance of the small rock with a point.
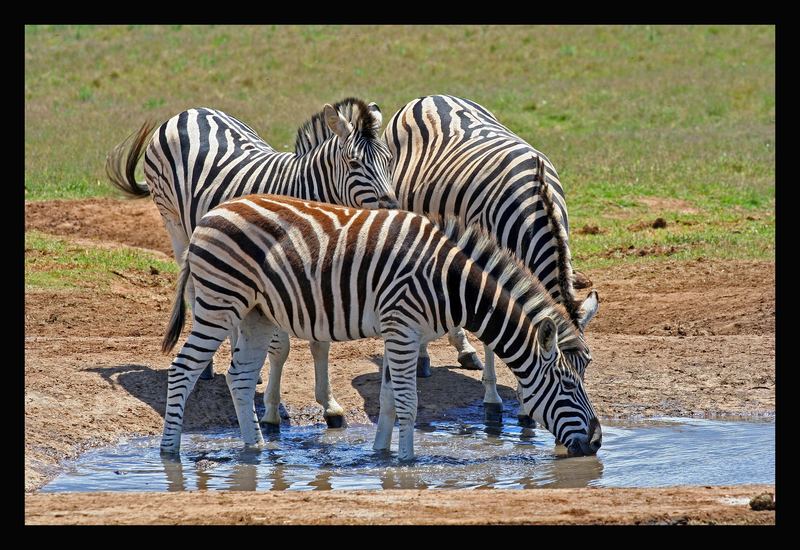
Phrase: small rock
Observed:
(659, 223)
(204, 464)
(764, 501)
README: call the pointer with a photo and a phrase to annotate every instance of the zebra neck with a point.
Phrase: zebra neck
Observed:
(499, 320)
(315, 175)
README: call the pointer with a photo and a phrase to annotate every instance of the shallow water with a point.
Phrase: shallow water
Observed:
(464, 454)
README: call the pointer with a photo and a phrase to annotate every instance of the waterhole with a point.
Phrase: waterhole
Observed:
(466, 453)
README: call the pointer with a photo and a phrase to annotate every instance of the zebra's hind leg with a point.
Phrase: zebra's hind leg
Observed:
(180, 242)
(467, 355)
(492, 403)
(332, 411)
(208, 371)
(278, 352)
(248, 358)
(183, 373)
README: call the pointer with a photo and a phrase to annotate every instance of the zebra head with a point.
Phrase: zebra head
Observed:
(361, 164)
(556, 397)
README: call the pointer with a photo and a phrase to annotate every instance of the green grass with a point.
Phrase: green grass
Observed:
(683, 112)
(54, 263)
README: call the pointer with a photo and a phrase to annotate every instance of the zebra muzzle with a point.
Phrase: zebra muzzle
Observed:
(592, 442)
(388, 202)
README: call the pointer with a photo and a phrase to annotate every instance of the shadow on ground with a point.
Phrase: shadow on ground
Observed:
(446, 389)
(208, 406)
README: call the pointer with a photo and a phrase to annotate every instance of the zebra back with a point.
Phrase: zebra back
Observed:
(202, 157)
(452, 156)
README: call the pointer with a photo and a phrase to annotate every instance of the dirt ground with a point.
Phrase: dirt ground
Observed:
(680, 339)
(669, 506)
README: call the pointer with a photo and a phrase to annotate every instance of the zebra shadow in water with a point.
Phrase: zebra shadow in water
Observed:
(440, 396)
(209, 406)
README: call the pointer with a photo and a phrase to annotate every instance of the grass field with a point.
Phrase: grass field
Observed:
(52, 263)
(641, 122)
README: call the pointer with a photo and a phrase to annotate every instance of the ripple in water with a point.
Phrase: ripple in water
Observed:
(450, 454)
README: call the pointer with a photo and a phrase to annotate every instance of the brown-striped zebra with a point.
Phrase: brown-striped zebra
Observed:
(263, 264)
(202, 157)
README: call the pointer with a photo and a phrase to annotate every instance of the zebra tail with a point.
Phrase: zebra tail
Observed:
(122, 160)
(178, 316)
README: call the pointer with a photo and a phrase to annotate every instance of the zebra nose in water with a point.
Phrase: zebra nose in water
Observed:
(388, 202)
(595, 435)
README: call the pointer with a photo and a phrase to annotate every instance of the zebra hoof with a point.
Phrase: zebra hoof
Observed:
(336, 421)
(526, 421)
(424, 367)
(208, 372)
(271, 428)
(470, 361)
(493, 413)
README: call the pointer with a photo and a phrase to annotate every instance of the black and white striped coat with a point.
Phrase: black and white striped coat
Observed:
(262, 264)
(451, 156)
(202, 157)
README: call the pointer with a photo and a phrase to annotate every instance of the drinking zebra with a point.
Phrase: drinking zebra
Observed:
(263, 264)
(451, 156)
(202, 157)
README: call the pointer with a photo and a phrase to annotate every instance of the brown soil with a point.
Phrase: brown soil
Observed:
(673, 338)
(670, 506)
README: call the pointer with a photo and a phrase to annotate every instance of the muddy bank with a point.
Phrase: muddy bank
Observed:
(667, 506)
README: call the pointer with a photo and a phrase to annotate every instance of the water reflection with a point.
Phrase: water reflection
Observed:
(450, 454)
(173, 469)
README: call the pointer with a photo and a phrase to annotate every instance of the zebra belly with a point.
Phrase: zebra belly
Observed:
(312, 324)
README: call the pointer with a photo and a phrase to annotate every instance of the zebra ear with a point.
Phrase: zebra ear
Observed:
(336, 122)
(376, 113)
(588, 309)
(547, 334)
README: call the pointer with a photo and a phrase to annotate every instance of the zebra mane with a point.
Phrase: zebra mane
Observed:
(315, 131)
(559, 232)
(513, 275)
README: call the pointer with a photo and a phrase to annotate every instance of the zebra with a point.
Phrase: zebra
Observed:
(451, 156)
(263, 264)
(202, 157)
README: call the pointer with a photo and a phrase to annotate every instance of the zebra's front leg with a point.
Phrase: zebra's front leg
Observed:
(400, 351)
(332, 411)
(386, 412)
(467, 355)
(278, 352)
(249, 354)
(524, 420)
(492, 403)
(183, 374)
(423, 362)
